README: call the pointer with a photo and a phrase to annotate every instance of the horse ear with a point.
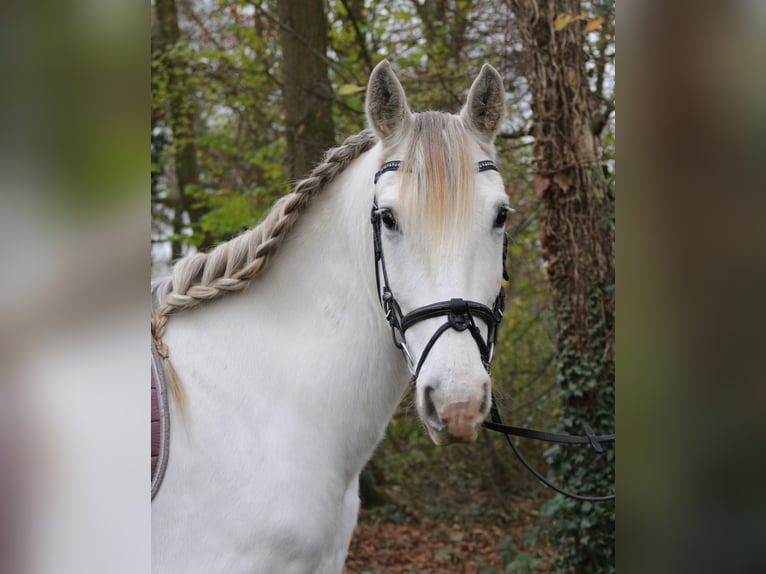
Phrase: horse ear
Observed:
(387, 109)
(485, 108)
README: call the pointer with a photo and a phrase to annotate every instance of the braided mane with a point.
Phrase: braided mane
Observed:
(231, 266)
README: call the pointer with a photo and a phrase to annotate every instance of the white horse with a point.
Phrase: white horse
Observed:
(283, 390)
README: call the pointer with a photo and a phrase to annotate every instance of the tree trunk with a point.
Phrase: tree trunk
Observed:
(182, 117)
(577, 240)
(307, 88)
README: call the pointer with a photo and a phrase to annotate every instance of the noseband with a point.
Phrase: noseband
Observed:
(460, 313)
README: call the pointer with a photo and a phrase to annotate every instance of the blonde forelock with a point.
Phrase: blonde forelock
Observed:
(437, 186)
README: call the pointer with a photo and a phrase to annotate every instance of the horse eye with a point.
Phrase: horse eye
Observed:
(388, 219)
(502, 215)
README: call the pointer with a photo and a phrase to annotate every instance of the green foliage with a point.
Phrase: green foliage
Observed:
(584, 531)
(231, 60)
(603, 8)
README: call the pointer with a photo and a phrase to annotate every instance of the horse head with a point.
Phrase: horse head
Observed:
(439, 225)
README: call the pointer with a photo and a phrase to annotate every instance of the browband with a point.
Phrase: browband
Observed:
(483, 165)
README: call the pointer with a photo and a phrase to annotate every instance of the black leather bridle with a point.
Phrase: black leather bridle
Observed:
(459, 312)
(460, 316)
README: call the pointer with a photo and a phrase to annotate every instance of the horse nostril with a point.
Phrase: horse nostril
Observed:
(486, 404)
(429, 408)
(428, 401)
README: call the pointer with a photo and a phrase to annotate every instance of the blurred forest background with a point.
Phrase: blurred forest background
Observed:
(247, 96)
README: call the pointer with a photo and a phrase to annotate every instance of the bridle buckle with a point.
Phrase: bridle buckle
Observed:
(459, 316)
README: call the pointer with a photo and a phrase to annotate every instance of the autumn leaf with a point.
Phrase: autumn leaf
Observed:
(593, 24)
(561, 21)
(441, 554)
(564, 20)
(350, 89)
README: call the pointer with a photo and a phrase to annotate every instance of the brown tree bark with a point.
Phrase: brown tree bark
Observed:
(577, 241)
(577, 244)
(307, 88)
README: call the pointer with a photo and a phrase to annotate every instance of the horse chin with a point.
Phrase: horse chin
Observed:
(444, 438)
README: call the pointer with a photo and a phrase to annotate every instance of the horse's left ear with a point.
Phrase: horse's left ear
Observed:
(485, 108)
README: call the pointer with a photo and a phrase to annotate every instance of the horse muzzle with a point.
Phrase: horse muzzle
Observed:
(455, 422)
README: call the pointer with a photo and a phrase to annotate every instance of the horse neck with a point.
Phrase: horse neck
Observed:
(326, 273)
